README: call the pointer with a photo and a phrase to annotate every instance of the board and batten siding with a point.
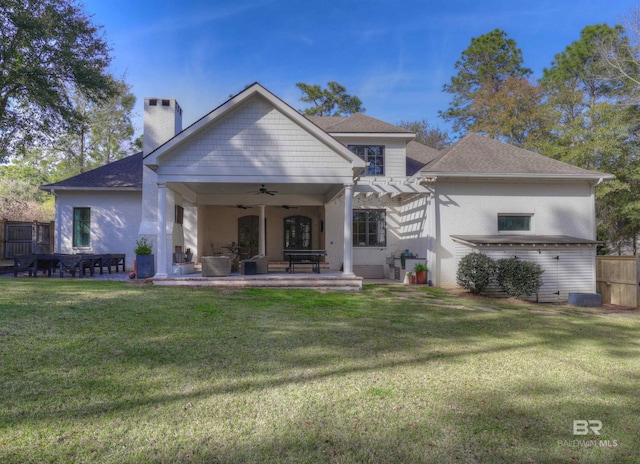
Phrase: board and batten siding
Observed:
(567, 268)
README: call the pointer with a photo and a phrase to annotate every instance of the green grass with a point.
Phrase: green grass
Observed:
(112, 372)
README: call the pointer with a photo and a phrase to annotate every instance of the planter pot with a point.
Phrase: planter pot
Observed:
(145, 266)
(421, 277)
(412, 280)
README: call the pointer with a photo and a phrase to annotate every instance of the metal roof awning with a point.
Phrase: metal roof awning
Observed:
(516, 239)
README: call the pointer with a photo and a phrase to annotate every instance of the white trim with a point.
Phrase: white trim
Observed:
(52, 190)
(392, 135)
(599, 177)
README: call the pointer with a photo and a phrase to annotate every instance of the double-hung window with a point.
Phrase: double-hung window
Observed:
(81, 227)
(373, 155)
(369, 228)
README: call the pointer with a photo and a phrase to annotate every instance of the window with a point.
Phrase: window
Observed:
(81, 227)
(514, 222)
(373, 156)
(297, 233)
(370, 228)
(179, 214)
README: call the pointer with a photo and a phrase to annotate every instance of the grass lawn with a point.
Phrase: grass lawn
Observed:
(94, 371)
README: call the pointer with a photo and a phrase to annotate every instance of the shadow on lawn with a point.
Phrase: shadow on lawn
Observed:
(271, 339)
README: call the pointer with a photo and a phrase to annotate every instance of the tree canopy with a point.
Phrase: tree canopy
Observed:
(428, 135)
(486, 64)
(49, 49)
(332, 101)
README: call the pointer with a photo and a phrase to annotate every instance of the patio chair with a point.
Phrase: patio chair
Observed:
(216, 266)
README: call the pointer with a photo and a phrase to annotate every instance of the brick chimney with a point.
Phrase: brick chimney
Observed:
(162, 120)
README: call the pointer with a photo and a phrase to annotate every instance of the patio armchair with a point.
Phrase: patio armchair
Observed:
(262, 264)
(216, 266)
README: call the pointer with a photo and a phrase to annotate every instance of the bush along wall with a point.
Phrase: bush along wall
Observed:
(475, 272)
(518, 278)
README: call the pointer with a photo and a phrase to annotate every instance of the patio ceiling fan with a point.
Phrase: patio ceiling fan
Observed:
(264, 191)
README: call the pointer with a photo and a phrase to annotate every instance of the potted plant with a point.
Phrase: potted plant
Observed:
(145, 264)
(421, 273)
(409, 278)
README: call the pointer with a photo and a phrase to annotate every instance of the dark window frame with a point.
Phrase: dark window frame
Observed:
(515, 222)
(294, 233)
(179, 214)
(369, 228)
(81, 227)
(373, 155)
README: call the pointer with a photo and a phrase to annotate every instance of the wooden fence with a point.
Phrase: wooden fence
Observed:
(617, 280)
(18, 238)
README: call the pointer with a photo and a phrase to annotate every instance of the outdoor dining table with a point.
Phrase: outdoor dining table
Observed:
(304, 257)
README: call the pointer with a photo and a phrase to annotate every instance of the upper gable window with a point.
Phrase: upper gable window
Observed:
(373, 155)
(514, 222)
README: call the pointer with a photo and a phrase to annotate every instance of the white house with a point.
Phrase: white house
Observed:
(257, 172)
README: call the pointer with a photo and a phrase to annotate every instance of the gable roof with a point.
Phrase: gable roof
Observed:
(418, 155)
(255, 89)
(356, 123)
(479, 156)
(123, 174)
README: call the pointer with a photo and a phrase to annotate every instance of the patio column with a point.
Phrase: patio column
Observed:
(262, 245)
(347, 263)
(161, 260)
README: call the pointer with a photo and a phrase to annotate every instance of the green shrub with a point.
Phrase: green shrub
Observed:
(475, 272)
(518, 278)
(143, 246)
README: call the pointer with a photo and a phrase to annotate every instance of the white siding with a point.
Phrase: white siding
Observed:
(255, 136)
(471, 208)
(405, 229)
(567, 268)
(115, 220)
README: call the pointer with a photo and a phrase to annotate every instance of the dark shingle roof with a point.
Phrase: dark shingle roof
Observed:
(356, 123)
(125, 173)
(476, 154)
(418, 155)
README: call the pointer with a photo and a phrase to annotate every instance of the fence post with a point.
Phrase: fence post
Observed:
(34, 237)
(638, 281)
(3, 238)
(52, 237)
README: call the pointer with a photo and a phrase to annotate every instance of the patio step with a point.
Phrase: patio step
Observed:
(334, 281)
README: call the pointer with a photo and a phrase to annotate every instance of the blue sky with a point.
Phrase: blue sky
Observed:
(395, 55)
